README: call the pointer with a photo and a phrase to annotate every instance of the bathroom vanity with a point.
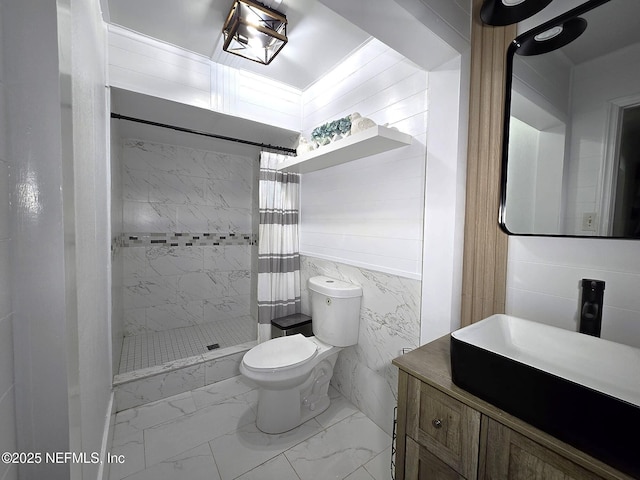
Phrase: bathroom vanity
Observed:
(444, 432)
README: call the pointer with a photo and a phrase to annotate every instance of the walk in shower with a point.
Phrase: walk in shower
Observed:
(184, 254)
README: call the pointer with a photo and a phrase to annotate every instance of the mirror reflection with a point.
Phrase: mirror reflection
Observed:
(571, 159)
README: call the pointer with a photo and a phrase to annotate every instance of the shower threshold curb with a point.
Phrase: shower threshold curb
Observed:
(173, 365)
(146, 385)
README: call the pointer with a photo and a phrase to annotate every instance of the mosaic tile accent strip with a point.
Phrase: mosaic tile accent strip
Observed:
(186, 239)
(150, 349)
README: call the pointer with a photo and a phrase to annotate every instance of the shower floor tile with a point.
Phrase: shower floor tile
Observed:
(150, 349)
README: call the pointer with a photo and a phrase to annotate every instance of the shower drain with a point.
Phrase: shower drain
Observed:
(213, 346)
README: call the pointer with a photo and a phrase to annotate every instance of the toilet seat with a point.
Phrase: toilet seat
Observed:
(281, 353)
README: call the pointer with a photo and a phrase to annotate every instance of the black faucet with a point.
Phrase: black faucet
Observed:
(591, 310)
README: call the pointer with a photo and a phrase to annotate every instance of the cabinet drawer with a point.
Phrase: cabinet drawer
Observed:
(444, 426)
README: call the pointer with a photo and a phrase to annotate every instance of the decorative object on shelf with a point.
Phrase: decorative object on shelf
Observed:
(305, 146)
(332, 131)
(254, 31)
(371, 141)
(360, 123)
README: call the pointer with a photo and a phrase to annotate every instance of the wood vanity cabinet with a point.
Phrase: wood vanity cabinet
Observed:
(444, 432)
(508, 454)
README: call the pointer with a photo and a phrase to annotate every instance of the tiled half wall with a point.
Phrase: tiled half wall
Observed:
(389, 323)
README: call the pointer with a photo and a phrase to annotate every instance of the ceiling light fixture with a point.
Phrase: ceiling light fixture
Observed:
(254, 31)
(552, 38)
(507, 12)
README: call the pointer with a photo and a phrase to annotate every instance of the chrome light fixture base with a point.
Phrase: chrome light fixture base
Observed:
(254, 31)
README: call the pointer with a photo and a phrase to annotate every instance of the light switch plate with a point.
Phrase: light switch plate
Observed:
(589, 222)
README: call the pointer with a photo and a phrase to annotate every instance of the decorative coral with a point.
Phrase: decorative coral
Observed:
(304, 146)
(327, 132)
(360, 123)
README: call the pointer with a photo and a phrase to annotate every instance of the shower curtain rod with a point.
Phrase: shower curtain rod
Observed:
(204, 134)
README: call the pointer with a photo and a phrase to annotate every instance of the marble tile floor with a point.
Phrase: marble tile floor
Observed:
(210, 433)
(155, 348)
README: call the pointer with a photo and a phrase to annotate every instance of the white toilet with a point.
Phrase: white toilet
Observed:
(293, 372)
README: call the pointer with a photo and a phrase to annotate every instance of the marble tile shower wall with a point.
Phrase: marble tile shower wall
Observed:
(171, 287)
(389, 322)
(171, 189)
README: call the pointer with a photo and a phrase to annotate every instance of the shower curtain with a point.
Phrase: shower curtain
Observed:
(278, 253)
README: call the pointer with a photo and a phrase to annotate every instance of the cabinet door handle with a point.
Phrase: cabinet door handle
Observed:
(436, 422)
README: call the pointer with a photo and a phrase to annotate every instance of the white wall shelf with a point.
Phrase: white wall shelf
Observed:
(371, 141)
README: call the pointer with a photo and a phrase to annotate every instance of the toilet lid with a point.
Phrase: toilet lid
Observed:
(281, 352)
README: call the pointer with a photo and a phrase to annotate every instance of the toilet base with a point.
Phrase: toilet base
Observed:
(283, 410)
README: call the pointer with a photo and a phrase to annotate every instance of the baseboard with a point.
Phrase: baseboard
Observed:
(107, 438)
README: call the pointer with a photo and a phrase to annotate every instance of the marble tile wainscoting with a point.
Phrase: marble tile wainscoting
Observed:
(389, 323)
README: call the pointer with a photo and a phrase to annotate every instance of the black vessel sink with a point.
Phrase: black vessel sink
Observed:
(582, 390)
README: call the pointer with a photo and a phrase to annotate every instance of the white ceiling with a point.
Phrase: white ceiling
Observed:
(318, 38)
(611, 26)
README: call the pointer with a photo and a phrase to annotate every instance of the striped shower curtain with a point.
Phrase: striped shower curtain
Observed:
(278, 254)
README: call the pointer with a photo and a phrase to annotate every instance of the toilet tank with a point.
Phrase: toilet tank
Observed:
(335, 310)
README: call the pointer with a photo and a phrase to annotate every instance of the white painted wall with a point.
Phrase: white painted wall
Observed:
(544, 82)
(435, 35)
(8, 441)
(371, 215)
(544, 273)
(145, 65)
(56, 148)
(369, 212)
(448, 19)
(32, 93)
(550, 171)
(366, 217)
(444, 203)
(86, 191)
(117, 228)
(535, 178)
(427, 32)
(521, 180)
(543, 282)
(595, 85)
